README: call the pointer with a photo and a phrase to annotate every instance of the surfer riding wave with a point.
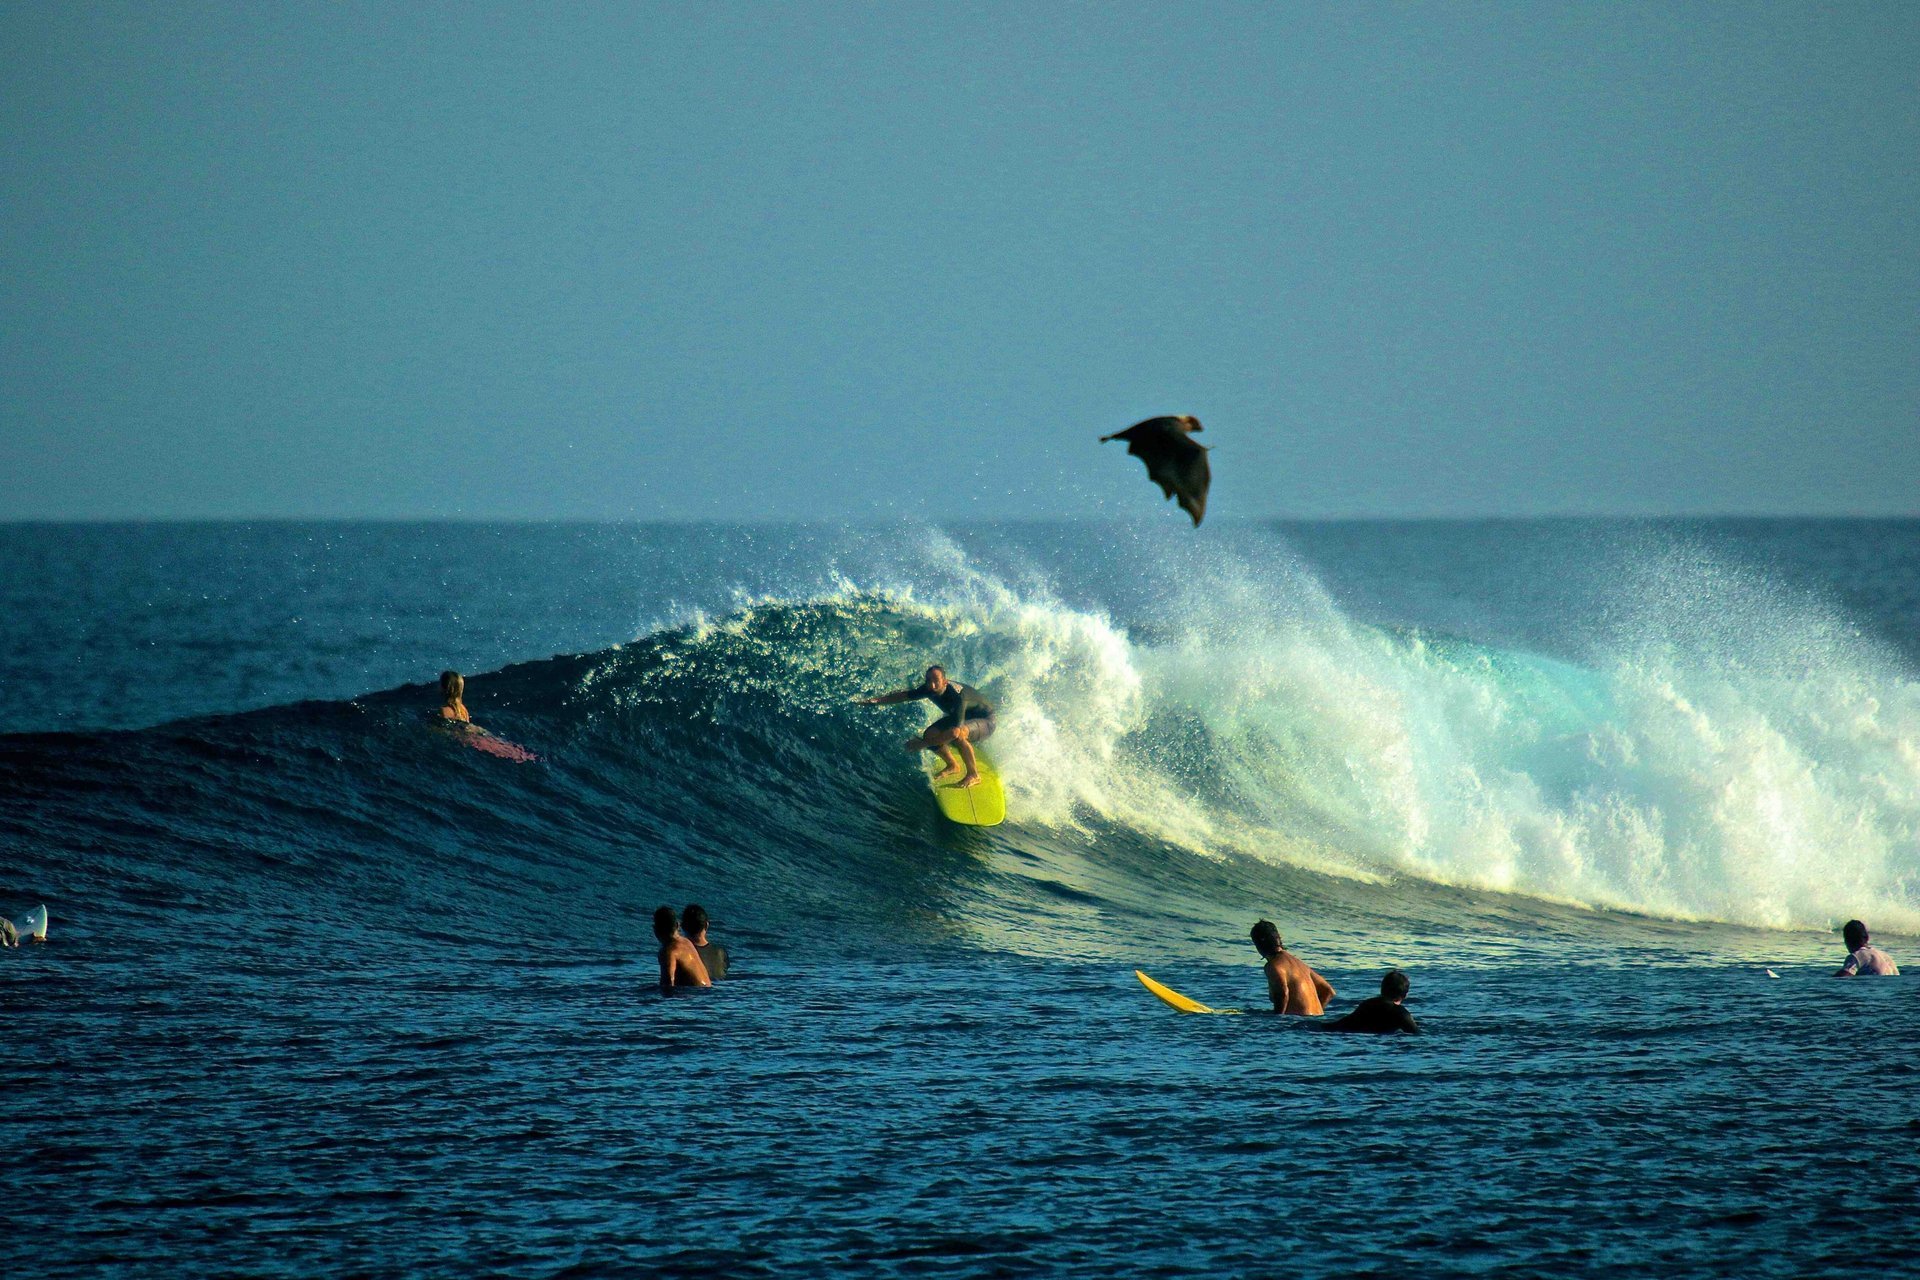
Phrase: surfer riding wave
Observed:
(967, 720)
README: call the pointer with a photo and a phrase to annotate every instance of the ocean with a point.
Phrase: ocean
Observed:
(325, 991)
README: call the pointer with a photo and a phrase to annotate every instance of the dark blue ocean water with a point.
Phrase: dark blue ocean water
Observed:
(325, 990)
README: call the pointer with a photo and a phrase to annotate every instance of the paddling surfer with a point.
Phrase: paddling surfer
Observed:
(1291, 984)
(966, 720)
(1383, 1013)
(680, 963)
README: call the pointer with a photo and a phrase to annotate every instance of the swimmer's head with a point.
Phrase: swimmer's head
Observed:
(664, 923)
(1266, 938)
(1856, 935)
(453, 686)
(936, 678)
(1394, 986)
(693, 921)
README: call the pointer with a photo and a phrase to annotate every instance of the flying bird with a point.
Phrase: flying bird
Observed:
(1174, 460)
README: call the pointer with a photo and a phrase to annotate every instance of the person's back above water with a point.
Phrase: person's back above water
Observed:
(680, 964)
(1291, 984)
(1862, 960)
(453, 692)
(693, 923)
(1381, 1013)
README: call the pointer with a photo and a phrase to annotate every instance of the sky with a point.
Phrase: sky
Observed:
(868, 261)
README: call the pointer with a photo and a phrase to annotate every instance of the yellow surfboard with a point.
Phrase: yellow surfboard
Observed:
(1184, 1004)
(982, 805)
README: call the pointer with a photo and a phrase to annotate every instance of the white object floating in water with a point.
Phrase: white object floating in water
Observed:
(1772, 974)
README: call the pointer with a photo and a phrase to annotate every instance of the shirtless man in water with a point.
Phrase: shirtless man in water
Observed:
(1291, 985)
(966, 720)
(680, 963)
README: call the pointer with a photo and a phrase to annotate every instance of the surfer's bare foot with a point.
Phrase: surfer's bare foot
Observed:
(971, 780)
(947, 772)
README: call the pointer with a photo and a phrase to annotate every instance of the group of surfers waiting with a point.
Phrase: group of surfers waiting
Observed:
(966, 719)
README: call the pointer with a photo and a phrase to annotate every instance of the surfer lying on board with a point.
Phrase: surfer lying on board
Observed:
(1385, 1012)
(680, 963)
(967, 720)
(1291, 985)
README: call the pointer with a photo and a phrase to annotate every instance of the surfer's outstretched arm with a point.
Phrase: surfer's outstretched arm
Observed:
(888, 699)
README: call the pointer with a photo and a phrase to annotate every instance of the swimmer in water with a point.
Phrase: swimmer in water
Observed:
(1382, 1013)
(1291, 984)
(453, 691)
(1864, 961)
(680, 964)
(693, 924)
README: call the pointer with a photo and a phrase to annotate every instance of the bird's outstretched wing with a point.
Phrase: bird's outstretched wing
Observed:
(1175, 460)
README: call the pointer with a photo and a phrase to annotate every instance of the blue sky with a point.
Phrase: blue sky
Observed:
(846, 260)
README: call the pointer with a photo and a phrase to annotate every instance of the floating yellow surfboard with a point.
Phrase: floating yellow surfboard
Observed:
(982, 805)
(1184, 1004)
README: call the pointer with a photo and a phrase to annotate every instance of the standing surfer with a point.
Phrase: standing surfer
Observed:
(966, 720)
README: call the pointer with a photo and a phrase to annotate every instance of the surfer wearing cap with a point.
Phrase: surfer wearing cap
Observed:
(680, 963)
(693, 926)
(1383, 1013)
(1864, 961)
(1291, 984)
(966, 720)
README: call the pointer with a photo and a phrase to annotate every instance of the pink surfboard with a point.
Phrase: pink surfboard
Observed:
(481, 740)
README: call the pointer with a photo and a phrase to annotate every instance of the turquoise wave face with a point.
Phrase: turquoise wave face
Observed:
(1261, 750)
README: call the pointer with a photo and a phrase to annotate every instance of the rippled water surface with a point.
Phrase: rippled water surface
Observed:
(971, 1115)
(327, 992)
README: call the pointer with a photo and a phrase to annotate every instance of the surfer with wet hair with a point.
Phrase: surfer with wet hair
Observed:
(453, 691)
(680, 963)
(966, 720)
(1291, 984)
(1383, 1013)
(1864, 961)
(693, 926)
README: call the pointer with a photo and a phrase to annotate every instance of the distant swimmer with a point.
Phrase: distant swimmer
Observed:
(680, 963)
(693, 924)
(1382, 1013)
(1864, 961)
(967, 721)
(1175, 461)
(1291, 985)
(453, 716)
(453, 692)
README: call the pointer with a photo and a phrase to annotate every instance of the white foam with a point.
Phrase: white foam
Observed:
(1729, 753)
